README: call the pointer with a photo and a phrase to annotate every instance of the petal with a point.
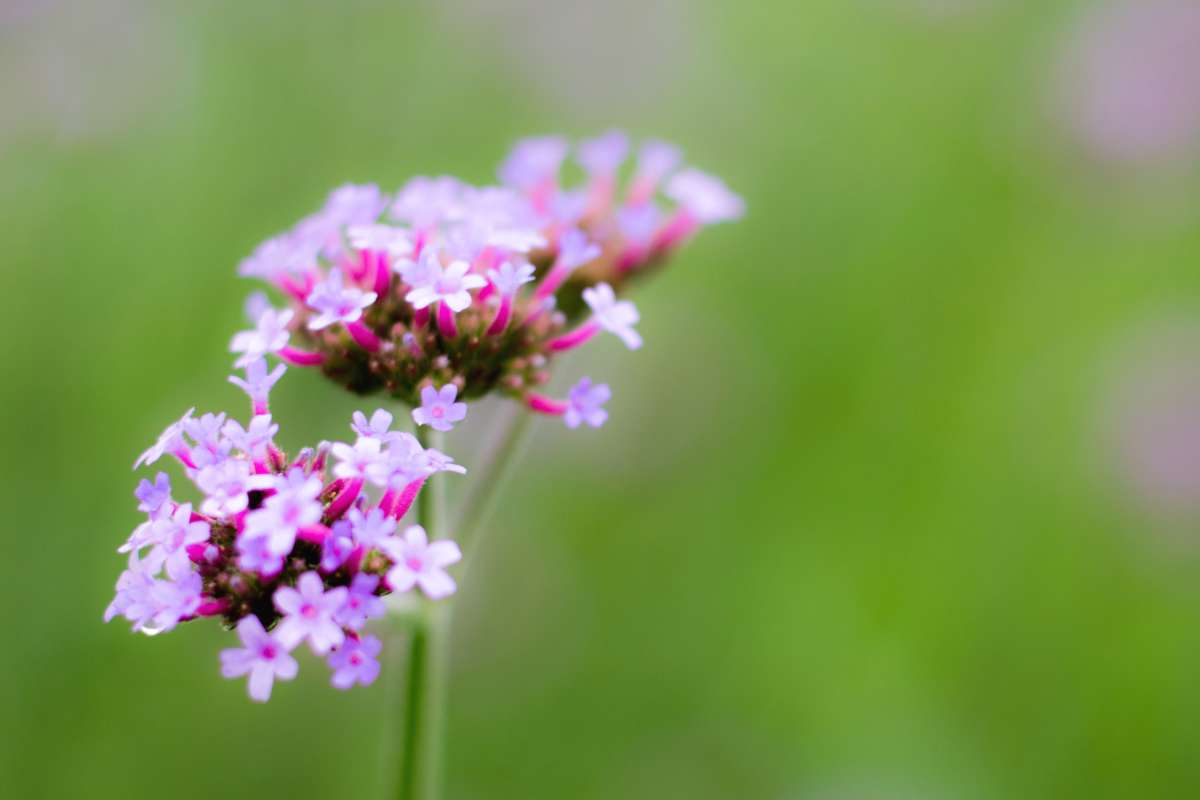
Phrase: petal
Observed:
(443, 553)
(436, 584)
(287, 600)
(261, 678)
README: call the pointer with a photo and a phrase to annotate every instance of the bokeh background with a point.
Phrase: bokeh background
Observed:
(900, 500)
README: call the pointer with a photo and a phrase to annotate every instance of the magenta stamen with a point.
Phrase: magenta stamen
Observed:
(345, 498)
(407, 496)
(503, 315)
(314, 534)
(576, 337)
(546, 405)
(363, 336)
(301, 358)
(445, 320)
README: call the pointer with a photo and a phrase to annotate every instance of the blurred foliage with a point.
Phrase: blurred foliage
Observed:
(850, 531)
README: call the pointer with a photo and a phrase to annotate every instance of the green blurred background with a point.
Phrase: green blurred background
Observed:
(871, 518)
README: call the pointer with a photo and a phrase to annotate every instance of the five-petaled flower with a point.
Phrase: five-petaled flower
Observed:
(438, 409)
(308, 614)
(421, 563)
(262, 656)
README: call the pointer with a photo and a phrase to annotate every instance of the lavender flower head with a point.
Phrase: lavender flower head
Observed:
(445, 286)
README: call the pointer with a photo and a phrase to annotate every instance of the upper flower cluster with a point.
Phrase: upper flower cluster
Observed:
(287, 549)
(445, 284)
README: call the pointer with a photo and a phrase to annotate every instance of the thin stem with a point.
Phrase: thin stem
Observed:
(428, 651)
(490, 475)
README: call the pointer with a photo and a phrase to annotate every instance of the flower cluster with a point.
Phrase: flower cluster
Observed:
(446, 289)
(287, 550)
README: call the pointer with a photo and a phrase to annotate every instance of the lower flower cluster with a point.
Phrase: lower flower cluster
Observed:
(286, 550)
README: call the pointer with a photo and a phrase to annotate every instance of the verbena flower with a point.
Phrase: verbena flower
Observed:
(285, 550)
(479, 288)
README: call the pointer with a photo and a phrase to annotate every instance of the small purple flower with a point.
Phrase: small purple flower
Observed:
(438, 409)
(604, 154)
(355, 462)
(256, 555)
(705, 197)
(281, 255)
(308, 614)
(226, 484)
(575, 249)
(656, 159)
(355, 662)
(254, 438)
(154, 497)
(451, 285)
(258, 383)
(256, 303)
(262, 656)
(533, 162)
(361, 603)
(419, 562)
(639, 223)
(584, 404)
(270, 335)
(170, 537)
(438, 461)
(508, 278)
(615, 316)
(169, 441)
(380, 238)
(293, 506)
(379, 427)
(371, 528)
(334, 302)
(427, 201)
(337, 546)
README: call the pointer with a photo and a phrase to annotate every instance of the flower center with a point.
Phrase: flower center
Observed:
(356, 659)
(437, 412)
(413, 563)
(308, 611)
(267, 652)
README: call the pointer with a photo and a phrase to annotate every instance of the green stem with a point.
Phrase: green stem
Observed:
(428, 650)
(489, 475)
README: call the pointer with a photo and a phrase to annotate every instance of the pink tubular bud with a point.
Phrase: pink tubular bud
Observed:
(576, 337)
(554, 279)
(404, 501)
(344, 499)
(212, 608)
(260, 407)
(185, 457)
(445, 320)
(297, 289)
(421, 317)
(314, 534)
(503, 315)
(680, 226)
(195, 552)
(546, 405)
(363, 336)
(301, 358)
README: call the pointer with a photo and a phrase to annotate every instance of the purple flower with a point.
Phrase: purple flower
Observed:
(169, 441)
(508, 278)
(170, 537)
(440, 462)
(418, 562)
(261, 656)
(355, 662)
(428, 201)
(361, 603)
(380, 238)
(293, 506)
(256, 303)
(284, 254)
(656, 159)
(584, 404)
(533, 162)
(337, 546)
(371, 528)
(357, 461)
(379, 426)
(253, 439)
(705, 197)
(451, 285)
(438, 409)
(335, 302)
(639, 223)
(270, 335)
(308, 614)
(258, 382)
(227, 484)
(615, 316)
(256, 555)
(575, 249)
(154, 497)
(604, 154)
